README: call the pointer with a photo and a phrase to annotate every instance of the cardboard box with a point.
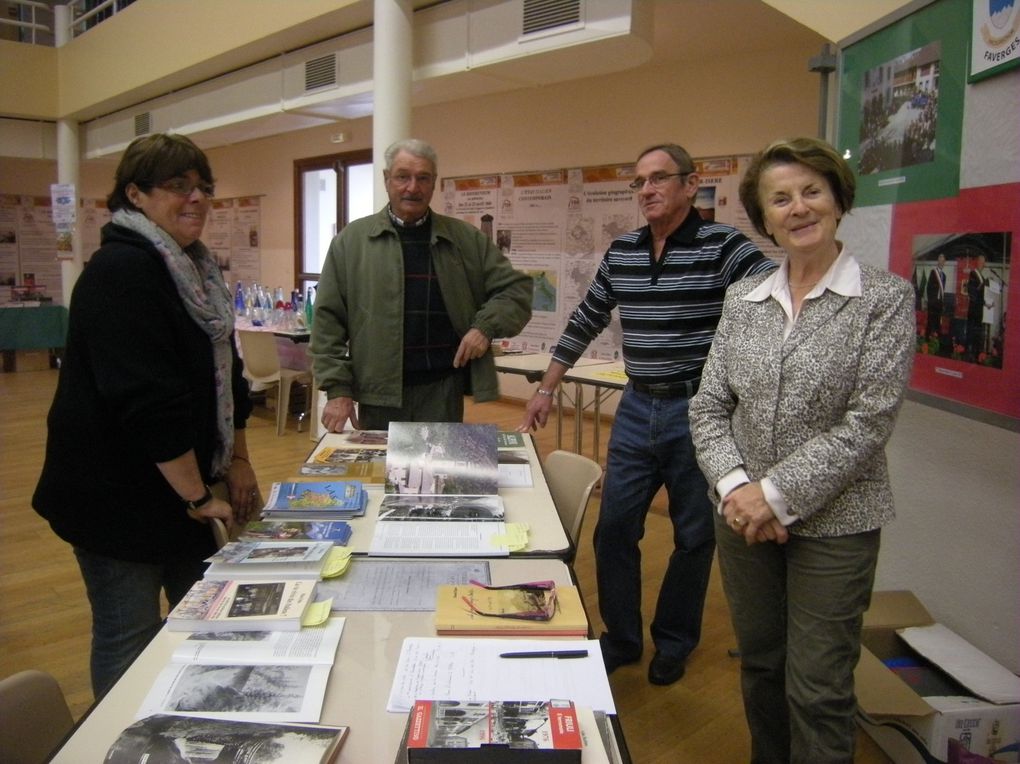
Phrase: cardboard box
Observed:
(984, 717)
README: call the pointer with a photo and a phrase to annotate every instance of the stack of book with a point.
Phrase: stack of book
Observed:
(336, 531)
(315, 500)
(249, 560)
(243, 606)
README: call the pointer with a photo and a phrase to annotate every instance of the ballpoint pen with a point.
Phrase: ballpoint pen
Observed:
(548, 654)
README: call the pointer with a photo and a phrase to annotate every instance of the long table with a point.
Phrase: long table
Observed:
(607, 379)
(531, 504)
(358, 688)
(41, 327)
(532, 367)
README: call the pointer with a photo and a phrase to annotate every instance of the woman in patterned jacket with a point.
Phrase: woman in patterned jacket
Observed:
(797, 401)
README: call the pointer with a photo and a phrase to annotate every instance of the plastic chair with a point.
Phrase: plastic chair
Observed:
(262, 365)
(571, 478)
(34, 717)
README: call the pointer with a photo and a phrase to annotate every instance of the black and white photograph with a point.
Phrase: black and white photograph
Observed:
(442, 458)
(397, 507)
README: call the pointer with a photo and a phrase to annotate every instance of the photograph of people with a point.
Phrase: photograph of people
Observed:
(798, 399)
(150, 406)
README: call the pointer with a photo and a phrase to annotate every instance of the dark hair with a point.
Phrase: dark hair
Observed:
(678, 154)
(810, 152)
(154, 159)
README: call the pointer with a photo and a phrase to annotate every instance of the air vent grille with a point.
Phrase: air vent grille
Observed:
(320, 72)
(143, 123)
(546, 15)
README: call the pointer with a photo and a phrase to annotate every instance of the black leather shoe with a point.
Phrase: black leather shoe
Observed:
(613, 659)
(665, 670)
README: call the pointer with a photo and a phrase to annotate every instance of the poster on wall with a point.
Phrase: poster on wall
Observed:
(245, 261)
(901, 105)
(39, 275)
(233, 236)
(959, 253)
(556, 225)
(9, 205)
(530, 224)
(995, 38)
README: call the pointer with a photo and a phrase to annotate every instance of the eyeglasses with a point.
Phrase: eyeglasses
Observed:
(184, 187)
(656, 180)
(405, 180)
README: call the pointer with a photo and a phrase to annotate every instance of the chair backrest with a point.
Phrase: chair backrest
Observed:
(261, 359)
(34, 717)
(571, 478)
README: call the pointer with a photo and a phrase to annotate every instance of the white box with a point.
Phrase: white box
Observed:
(912, 729)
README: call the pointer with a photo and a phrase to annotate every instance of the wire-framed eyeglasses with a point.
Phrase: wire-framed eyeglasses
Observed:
(184, 187)
(656, 180)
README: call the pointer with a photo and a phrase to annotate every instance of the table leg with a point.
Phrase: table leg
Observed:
(598, 421)
(559, 416)
(578, 417)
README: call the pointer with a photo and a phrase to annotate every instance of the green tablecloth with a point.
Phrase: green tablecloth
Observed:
(38, 328)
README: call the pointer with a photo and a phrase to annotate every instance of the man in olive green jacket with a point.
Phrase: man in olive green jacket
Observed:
(407, 305)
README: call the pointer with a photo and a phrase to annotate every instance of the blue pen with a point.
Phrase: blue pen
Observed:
(548, 654)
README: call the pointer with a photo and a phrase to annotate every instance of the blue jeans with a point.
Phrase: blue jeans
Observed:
(650, 446)
(797, 610)
(125, 607)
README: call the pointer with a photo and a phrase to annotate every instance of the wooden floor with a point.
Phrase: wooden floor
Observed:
(45, 619)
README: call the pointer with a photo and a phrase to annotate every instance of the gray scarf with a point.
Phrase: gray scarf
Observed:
(206, 298)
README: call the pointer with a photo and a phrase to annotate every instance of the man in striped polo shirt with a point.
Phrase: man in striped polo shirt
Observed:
(667, 280)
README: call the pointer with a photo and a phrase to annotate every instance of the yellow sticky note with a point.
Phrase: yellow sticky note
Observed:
(337, 562)
(317, 613)
(515, 538)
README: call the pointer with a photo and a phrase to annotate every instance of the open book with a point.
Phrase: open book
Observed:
(164, 738)
(248, 676)
(442, 482)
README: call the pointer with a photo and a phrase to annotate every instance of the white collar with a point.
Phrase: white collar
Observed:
(843, 277)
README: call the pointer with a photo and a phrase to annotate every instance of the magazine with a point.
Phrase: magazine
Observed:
(316, 500)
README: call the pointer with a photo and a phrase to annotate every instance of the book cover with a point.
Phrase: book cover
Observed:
(163, 738)
(442, 458)
(493, 731)
(346, 495)
(245, 560)
(336, 531)
(366, 464)
(242, 606)
(462, 609)
(405, 507)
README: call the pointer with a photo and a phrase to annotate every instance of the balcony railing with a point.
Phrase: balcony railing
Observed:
(33, 21)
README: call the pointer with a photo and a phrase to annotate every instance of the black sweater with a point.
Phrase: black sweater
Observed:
(135, 388)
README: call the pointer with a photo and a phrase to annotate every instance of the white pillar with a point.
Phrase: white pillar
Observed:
(68, 162)
(392, 60)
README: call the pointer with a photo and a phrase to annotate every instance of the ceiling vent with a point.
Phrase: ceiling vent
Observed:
(143, 123)
(550, 15)
(320, 72)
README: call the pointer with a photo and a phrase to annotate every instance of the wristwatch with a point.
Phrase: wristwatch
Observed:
(199, 502)
(546, 393)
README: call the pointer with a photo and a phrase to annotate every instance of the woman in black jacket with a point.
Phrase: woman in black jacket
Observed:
(150, 406)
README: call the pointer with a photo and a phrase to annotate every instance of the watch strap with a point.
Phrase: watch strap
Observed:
(199, 502)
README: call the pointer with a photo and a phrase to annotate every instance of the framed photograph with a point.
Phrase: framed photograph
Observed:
(995, 38)
(901, 105)
(959, 254)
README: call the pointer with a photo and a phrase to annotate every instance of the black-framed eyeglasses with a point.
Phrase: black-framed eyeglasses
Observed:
(184, 187)
(656, 179)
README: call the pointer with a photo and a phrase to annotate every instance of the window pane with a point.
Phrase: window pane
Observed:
(360, 191)
(319, 190)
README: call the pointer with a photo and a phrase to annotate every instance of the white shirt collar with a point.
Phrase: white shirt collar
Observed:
(843, 277)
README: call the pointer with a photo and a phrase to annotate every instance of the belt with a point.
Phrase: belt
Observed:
(668, 389)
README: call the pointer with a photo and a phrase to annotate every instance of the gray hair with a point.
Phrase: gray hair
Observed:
(414, 147)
